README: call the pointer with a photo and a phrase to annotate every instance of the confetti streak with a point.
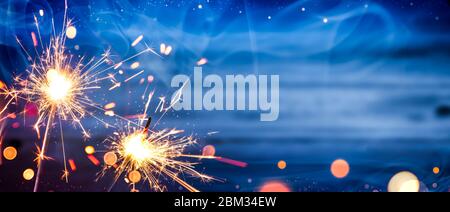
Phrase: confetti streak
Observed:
(213, 133)
(94, 160)
(232, 162)
(137, 41)
(33, 37)
(135, 65)
(72, 165)
(2, 126)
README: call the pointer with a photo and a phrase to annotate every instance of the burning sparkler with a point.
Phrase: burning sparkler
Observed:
(148, 154)
(58, 84)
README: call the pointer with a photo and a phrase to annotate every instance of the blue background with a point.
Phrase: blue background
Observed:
(371, 86)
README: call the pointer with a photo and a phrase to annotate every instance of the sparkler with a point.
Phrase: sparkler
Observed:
(152, 154)
(58, 84)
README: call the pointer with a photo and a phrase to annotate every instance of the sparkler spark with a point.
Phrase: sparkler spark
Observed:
(153, 154)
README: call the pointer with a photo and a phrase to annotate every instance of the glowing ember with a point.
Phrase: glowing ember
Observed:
(59, 88)
(58, 83)
(202, 61)
(135, 65)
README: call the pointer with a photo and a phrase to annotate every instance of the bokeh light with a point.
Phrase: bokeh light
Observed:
(282, 164)
(71, 32)
(340, 168)
(10, 153)
(274, 186)
(89, 150)
(28, 174)
(404, 182)
(134, 176)
(110, 158)
(209, 150)
(436, 170)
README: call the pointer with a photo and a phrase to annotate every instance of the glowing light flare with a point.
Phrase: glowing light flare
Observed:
(34, 39)
(340, 168)
(71, 32)
(209, 150)
(58, 87)
(10, 153)
(165, 49)
(110, 158)
(404, 182)
(202, 61)
(137, 41)
(72, 165)
(94, 160)
(89, 150)
(137, 147)
(282, 164)
(28, 174)
(274, 186)
(15, 125)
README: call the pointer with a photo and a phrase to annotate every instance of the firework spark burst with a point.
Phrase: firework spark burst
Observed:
(58, 84)
(154, 155)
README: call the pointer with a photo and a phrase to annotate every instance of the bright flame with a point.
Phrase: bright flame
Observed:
(58, 87)
(137, 148)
